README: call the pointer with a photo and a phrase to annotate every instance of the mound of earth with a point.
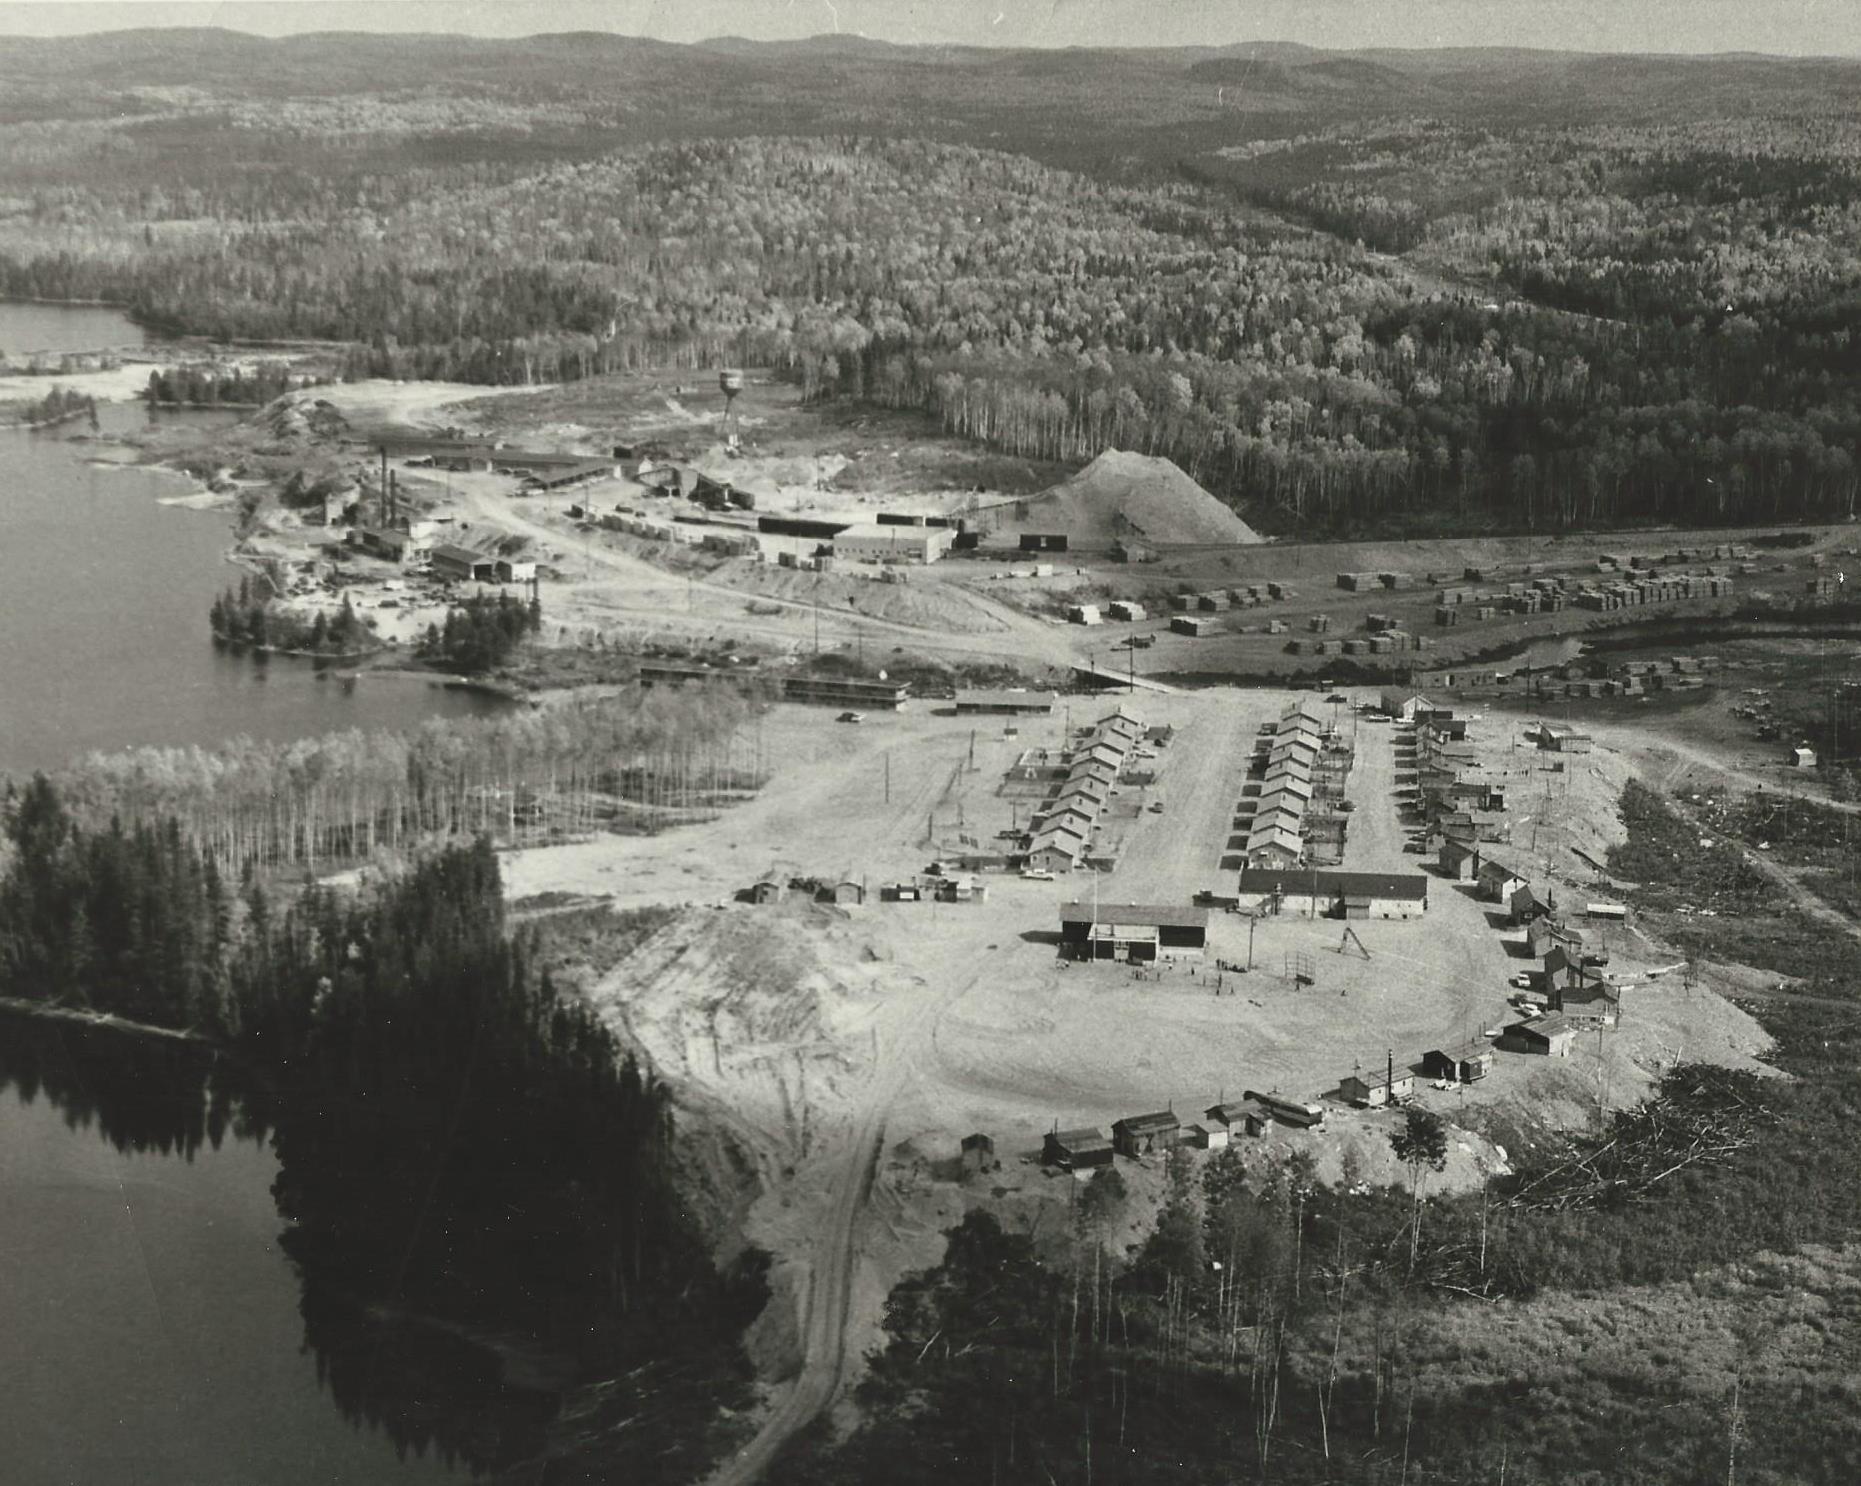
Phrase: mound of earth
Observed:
(1121, 494)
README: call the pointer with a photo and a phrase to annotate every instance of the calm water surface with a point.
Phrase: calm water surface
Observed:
(103, 602)
(151, 1329)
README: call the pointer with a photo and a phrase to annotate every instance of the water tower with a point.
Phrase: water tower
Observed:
(731, 380)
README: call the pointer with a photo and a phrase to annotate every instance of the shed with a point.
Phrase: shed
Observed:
(1463, 1063)
(1209, 1137)
(1142, 1135)
(979, 1154)
(769, 890)
(1803, 757)
(848, 890)
(1546, 1036)
(1075, 1149)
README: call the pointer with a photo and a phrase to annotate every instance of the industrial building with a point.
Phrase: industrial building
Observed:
(1131, 931)
(904, 544)
(463, 564)
(1321, 893)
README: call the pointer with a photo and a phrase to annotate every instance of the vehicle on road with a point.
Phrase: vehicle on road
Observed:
(1337, 696)
(1037, 874)
(1347, 806)
(851, 717)
(1520, 982)
(1156, 807)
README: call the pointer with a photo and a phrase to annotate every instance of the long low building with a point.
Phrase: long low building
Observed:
(1322, 893)
(1132, 931)
(910, 544)
(1034, 703)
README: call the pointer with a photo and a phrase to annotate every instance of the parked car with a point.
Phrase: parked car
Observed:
(851, 717)
(1037, 874)
(1347, 806)
(1156, 807)
(1337, 696)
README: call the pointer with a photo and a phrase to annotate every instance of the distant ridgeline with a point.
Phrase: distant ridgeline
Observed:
(1605, 321)
(457, 1137)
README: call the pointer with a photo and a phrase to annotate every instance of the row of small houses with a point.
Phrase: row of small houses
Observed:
(1461, 805)
(847, 889)
(1301, 747)
(1060, 834)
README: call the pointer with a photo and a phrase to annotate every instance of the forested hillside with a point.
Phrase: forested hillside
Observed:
(1584, 321)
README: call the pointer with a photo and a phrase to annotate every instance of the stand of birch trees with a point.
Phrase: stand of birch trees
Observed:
(626, 763)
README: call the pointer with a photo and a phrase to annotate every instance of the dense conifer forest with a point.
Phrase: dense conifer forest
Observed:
(457, 1137)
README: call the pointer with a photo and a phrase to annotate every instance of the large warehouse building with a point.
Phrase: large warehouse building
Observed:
(1131, 931)
(1321, 894)
(907, 544)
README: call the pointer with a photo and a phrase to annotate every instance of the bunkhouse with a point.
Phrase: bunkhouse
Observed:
(1075, 1150)
(1323, 892)
(1463, 1063)
(1143, 1135)
(1545, 1036)
(1274, 849)
(1498, 882)
(1131, 931)
(1295, 1112)
(1374, 1090)
(1005, 702)
(1055, 851)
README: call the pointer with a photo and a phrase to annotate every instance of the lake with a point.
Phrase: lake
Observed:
(153, 1330)
(104, 594)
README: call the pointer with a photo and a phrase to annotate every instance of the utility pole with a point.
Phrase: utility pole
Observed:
(888, 776)
(1253, 922)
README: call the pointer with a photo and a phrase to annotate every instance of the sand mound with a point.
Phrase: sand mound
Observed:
(1132, 495)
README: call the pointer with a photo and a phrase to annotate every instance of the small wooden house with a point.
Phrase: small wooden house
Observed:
(1374, 1090)
(1209, 1137)
(769, 890)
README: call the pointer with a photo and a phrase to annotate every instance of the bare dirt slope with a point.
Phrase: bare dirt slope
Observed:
(1121, 494)
(849, 1050)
